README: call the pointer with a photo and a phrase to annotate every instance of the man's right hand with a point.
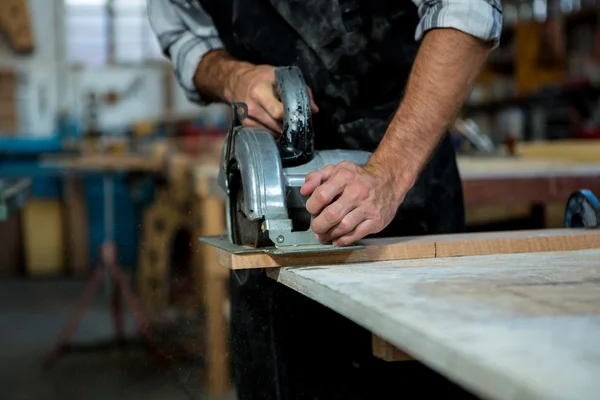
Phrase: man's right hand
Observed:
(247, 83)
(254, 85)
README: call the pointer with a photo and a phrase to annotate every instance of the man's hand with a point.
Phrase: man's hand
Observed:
(221, 76)
(351, 201)
(254, 85)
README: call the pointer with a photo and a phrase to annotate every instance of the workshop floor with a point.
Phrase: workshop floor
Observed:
(32, 314)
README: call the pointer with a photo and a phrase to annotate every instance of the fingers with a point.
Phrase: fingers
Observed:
(333, 215)
(348, 222)
(258, 116)
(263, 94)
(363, 229)
(314, 179)
(324, 194)
(255, 123)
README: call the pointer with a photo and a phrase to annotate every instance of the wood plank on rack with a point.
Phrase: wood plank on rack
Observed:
(402, 248)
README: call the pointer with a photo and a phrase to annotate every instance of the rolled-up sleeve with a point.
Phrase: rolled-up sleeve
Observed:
(185, 33)
(479, 18)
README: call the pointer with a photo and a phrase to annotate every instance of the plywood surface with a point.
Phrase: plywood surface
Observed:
(513, 326)
(427, 247)
(516, 167)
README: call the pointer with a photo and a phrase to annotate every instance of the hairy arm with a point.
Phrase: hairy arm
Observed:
(352, 202)
(443, 74)
(215, 74)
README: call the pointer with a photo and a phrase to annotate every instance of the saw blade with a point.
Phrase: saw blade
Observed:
(246, 232)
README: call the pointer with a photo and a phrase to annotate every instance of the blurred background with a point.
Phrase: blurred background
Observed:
(107, 179)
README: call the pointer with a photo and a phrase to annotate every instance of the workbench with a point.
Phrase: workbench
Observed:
(480, 176)
(506, 180)
(512, 326)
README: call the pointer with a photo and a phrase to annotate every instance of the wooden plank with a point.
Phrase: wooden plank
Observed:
(567, 150)
(521, 190)
(513, 326)
(426, 247)
(516, 242)
(213, 283)
(376, 250)
(386, 351)
(15, 25)
(43, 237)
(519, 181)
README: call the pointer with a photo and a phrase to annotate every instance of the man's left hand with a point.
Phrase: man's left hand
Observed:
(350, 201)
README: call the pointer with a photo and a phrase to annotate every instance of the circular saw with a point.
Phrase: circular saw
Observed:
(262, 176)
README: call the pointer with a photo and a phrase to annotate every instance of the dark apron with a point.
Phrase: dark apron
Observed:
(356, 56)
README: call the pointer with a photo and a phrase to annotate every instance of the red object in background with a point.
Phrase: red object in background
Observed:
(588, 133)
(195, 140)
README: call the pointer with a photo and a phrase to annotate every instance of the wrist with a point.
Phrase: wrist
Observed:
(388, 168)
(235, 70)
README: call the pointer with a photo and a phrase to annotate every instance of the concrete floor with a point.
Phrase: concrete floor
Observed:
(32, 313)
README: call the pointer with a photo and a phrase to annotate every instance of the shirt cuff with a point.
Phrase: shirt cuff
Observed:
(479, 18)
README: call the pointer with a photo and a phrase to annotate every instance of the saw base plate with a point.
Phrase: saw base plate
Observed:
(223, 243)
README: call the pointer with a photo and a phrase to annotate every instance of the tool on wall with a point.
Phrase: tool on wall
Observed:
(583, 210)
(262, 176)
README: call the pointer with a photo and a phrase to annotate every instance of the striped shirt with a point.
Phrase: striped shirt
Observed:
(186, 32)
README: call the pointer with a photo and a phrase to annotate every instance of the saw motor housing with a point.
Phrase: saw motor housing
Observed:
(262, 176)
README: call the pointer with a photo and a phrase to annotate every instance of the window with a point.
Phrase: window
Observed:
(103, 31)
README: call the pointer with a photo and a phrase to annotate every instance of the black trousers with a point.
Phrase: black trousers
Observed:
(286, 346)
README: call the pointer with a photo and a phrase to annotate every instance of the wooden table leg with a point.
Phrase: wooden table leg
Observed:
(387, 351)
(77, 239)
(214, 278)
(218, 362)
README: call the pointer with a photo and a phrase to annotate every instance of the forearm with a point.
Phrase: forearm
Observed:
(216, 75)
(443, 74)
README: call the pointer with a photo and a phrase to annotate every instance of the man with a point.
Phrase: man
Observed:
(386, 76)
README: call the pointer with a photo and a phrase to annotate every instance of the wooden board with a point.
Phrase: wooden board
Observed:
(427, 247)
(522, 181)
(43, 229)
(15, 25)
(513, 326)
(581, 151)
(386, 351)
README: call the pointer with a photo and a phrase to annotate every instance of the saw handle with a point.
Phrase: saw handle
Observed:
(296, 144)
